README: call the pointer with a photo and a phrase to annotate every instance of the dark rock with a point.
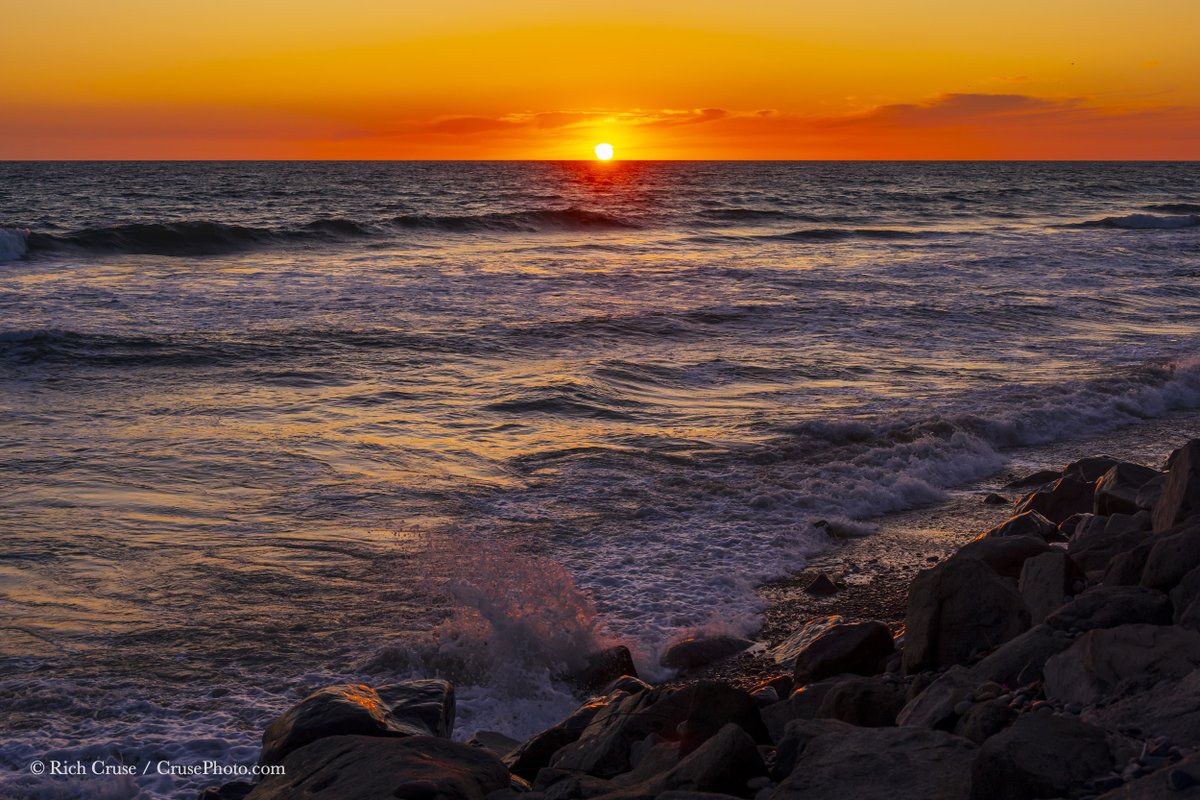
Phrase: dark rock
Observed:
(1029, 523)
(410, 708)
(957, 610)
(356, 767)
(1021, 660)
(561, 784)
(1069, 495)
(984, 720)
(821, 586)
(1180, 496)
(876, 764)
(1171, 709)
(866, 702)
(1098, 540)
(935, 706)
(1175, 553)
(1041, 755)
(229, 791)
(1004, 554)
(993, 499)
(603, 667)
(1125, 569)
(804, 703)
(1117, 490)
(1042, 477)
(1091, 468)
(1110, 661)
(629, 684)
(839, 647)
(1179, 781)
(695, 652)
(530, 757)
(1046, 583)
(1149, 493)
(1110, 606)
(1185, 592)
(494, 742)
(724, 763)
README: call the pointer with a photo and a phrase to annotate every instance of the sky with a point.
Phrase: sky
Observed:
(674, 79)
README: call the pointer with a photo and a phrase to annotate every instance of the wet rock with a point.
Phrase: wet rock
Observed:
(725, 763)
(1110, 661)
(876, 764)
(957, 610)
(1117, 490)
(603, 667)
(1046, 583)
(821, 586)
(1040, 756)
(833, 648)
(409, 708)
(1175, 553)
(603, 747)
(1091, 468)
(993, 499)
(1180, 496)
(1069, 495)
(494, 742)
(935, 706)
(1098, 540)
(356, 767)
(1029, 523)
(535, 753)
(1171, 709)
(695, 652)
(1042, 477)
(866, 702)
(1004, 554)
(1110, 606)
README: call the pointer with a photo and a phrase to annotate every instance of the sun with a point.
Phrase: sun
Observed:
(604, 151)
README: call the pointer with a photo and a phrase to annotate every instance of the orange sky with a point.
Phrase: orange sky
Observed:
(540, 79)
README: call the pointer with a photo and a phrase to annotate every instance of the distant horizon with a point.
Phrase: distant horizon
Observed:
(609, 164)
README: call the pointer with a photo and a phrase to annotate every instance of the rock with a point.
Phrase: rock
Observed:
(626, 683)
(689, 716)
(984, 720)
(1110, 661)
(1125, 569)
(993, 499)
(603, 667)
(1117, 490)
(494, 742)
(840, 647)
(821, 586)
(410, 708)
(695, 652)
(1185, 592)
(877, 764)
(957, 610)
(1041, 755)
(237, 790)
(1110, 606)
(1149, 493)
(866, 702)
(559, 784)
(1175, 553)
(1180, 496)
(1046, 582)
(804, 703)
(724, 763)
(1042, 477)
(526, 760)
(935, 706)
(1069, 495)
(1171, 709)
(1091, 468)
(1022, 659)
(1030, 523)
(1190, 617)
(356, 767)
(1004, 554)
(1098, 540)
(1179, 781)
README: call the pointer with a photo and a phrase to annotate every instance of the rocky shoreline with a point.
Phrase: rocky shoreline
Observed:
(1054, 655)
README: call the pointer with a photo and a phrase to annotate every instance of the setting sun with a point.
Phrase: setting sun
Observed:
(604, 151)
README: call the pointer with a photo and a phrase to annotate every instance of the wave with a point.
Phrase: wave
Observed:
(1141, 222)
(529, 221)
(750, 214)
(836, 234)
(14, 242)
(1175, 208)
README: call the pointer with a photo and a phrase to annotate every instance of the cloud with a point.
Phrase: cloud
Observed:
(673, 118)
(950, 109)
(460, 126)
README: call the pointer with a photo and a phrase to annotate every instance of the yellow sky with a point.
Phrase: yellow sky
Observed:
(535, 79)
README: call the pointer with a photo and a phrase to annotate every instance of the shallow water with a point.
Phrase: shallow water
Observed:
(268, 425)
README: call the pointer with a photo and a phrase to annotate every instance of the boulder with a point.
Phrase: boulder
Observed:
(1041, 755)
(1004, 554)
(935, 706)
(1170, 709)
(994, 499)
(1046, 582)
(1030, 523)
(804, 703)
(603, 667)
(1175, 553)
(356, 767)
(1125, 569)
(1022, 659)
(1180, 496)
(1110, 606)
(724, 764)
(528, 759)
(832, 646)
(866, 702)
(1111, 662)
(1149, 493)
(1117, 490)
(956, 611)
(1069, 495)
(821, 586)
(1091, 468)
(700, 651)
(498, 744)
(409, 708)
(984, 720)
(875, 764)
(235, 790)
(1179, 781)
(1098, 540)
(1186, 592)
(1043, 477)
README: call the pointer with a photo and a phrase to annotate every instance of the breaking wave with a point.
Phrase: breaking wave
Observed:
(1142, 222)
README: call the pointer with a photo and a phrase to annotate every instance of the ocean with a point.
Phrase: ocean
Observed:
(265, 426)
